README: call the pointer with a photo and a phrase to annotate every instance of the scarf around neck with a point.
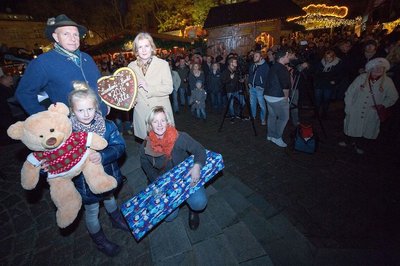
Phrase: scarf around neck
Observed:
(98, 125)
(166, 144)
(73, 56)
(144, 66)
(328, 65)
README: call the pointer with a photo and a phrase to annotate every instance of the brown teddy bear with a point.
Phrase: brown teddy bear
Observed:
(49, 134)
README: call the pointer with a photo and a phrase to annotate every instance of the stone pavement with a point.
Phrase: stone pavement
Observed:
(269, 206)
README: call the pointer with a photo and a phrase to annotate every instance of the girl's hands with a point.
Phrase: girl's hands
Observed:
(44, 165)
(95, 157)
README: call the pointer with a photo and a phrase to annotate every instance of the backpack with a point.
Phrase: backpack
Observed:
(304, 140)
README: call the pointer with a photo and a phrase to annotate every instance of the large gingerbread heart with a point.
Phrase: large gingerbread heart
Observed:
(119, 90)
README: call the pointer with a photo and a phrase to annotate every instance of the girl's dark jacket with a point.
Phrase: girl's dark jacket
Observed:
(109, 158)
(155, 164)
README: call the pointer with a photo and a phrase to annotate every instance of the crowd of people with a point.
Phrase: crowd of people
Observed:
(363, 72)
(320, 69)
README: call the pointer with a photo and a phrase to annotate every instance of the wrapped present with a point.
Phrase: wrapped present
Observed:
(150, 206)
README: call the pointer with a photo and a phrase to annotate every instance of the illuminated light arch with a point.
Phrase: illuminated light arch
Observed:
(324, 10)
(320, 16)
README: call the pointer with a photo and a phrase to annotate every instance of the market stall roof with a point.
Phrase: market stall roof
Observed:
(251, 11)
(117, 42)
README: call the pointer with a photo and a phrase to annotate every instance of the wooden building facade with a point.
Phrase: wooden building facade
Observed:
(239, 27)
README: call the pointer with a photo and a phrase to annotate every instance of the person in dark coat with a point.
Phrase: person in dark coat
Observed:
(348, 70)
(163, 149)
(258, 73)
(196, 74)
(326, 77)
(87, 118)
(183, 72)
(215, 87)
(230, 80)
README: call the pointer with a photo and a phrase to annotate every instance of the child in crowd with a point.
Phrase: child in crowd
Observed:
(215, 87)
(198, 101)
(86, 117)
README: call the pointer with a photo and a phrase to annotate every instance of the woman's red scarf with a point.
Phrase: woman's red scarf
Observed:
(166, 144)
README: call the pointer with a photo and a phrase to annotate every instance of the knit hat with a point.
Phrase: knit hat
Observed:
(61, 21)
(377, 62)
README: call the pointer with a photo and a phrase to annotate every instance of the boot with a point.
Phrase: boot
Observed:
(194, 220)
(118, 221)
(105, 245)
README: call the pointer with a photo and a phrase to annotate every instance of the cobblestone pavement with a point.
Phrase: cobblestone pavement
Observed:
(270, 206)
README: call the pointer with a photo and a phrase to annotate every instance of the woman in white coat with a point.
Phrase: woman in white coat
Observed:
(367, 91)
(154, 82)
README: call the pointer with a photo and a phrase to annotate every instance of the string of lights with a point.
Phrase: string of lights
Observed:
(321, 16)
(390, 26)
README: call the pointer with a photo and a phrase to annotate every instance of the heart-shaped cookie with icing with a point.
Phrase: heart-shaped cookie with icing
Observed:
(119, 90)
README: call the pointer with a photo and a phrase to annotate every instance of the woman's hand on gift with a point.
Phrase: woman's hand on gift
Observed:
(195, 174)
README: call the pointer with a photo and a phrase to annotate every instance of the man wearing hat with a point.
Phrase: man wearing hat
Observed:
(53, 72)
(368, 92)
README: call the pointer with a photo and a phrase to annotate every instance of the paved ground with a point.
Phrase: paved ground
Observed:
(270, 206)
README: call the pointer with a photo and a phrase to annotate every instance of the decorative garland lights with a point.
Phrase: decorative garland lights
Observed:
(324, 10)
(322, 16)
(390, 26)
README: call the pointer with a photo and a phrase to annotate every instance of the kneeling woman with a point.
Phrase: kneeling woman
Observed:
(165, 148)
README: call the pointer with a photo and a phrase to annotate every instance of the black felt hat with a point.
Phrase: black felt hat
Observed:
(61, 21)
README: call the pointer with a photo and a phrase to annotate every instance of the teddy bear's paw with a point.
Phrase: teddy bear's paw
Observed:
(103, 184)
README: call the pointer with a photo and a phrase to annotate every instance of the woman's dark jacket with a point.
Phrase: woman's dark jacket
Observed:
(323, 79)
(193, 79)
(109, 156)
(155, 164)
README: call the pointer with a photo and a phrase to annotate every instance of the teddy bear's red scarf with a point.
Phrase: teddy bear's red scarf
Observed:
(66, 156)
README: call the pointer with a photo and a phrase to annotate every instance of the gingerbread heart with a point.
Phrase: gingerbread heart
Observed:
(120, 89)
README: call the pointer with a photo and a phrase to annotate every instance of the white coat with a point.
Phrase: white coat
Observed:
(159, 87)
(361, 118)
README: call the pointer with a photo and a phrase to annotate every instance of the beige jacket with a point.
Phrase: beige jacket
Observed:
(159, 87)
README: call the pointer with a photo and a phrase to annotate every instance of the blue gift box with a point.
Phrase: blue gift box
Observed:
(151, 205)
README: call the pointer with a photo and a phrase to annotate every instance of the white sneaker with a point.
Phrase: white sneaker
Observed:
(279, 142)
(263, 123)
(269, 138)
(358, 150)
(342, 144)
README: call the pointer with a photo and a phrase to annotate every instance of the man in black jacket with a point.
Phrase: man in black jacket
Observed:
(230, 80)
(258, 73)
(276, 95)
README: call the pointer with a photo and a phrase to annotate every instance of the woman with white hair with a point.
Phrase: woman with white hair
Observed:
(154, 82)
(369, 93)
